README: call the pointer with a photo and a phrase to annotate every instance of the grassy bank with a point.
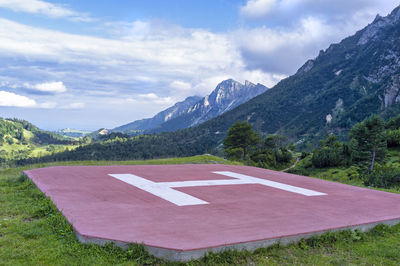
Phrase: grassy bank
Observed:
(33, 232)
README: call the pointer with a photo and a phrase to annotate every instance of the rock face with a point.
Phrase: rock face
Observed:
(383, 36)
(368, 63)
(372, 31)
(195, 110)
(226, 96)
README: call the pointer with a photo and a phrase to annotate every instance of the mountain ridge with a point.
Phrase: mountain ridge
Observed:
(159, 118)
(195, 110)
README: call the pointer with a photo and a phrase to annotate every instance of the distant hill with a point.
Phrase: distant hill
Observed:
(75, 133)
(21, 131)
(195, 110)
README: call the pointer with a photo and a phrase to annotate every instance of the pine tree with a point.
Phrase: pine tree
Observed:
(240, 136)
(368, 140)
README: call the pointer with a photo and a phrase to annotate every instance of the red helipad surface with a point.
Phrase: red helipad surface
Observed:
(207, 212)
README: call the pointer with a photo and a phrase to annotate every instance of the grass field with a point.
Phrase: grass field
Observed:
(33, 232)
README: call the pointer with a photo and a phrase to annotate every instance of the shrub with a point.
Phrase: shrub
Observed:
(393, 138)
(234, 154)
(383, 177)
(283, 155)
(326, 157)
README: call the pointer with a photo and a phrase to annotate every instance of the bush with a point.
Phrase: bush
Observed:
(326, 157)
(353, 172)
(9, 140)
(264, 159)
(393, 138)
(235, 154)
(304, 155)
(383, 177)
(283, 155)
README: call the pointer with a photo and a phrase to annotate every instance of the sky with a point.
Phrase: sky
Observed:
(90, 64)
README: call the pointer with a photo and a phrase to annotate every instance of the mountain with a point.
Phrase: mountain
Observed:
(226, 96)
(195, 110)
(329, 94)
(163, 116)
(343, 85)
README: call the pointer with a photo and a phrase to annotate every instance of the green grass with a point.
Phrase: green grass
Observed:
(33, 232)
(198, 159)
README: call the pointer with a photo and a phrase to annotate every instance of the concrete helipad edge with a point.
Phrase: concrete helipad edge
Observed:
(187, 255)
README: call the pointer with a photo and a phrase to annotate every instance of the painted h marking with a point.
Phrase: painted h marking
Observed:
(165, 190)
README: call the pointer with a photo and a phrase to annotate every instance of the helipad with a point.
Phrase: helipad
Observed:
(180, 212)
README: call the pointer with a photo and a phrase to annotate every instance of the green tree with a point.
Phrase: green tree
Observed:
(241, 135)
(393, 138)
(276, 144)
(274, 141)
(330, 153)
(368, 141)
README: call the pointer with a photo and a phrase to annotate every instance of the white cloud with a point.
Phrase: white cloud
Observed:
(180, 85)
(45, 8)
(257, 8)
(53, 87)
(180, 54)
(15, 100)
(258, 76)
(11, 99)
(282, 51)
(171, 61)
(153, 98)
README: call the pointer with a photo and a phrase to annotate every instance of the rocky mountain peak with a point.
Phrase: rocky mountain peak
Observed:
(195, 110)
(371, 32)
(249, 84)
(306, 67)
(395, 15)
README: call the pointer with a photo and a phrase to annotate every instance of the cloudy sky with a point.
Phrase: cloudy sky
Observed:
(90, 64)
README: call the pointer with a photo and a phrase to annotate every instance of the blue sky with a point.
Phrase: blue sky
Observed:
(92, 64)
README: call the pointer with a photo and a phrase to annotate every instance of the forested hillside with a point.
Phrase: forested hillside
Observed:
(20, 139)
